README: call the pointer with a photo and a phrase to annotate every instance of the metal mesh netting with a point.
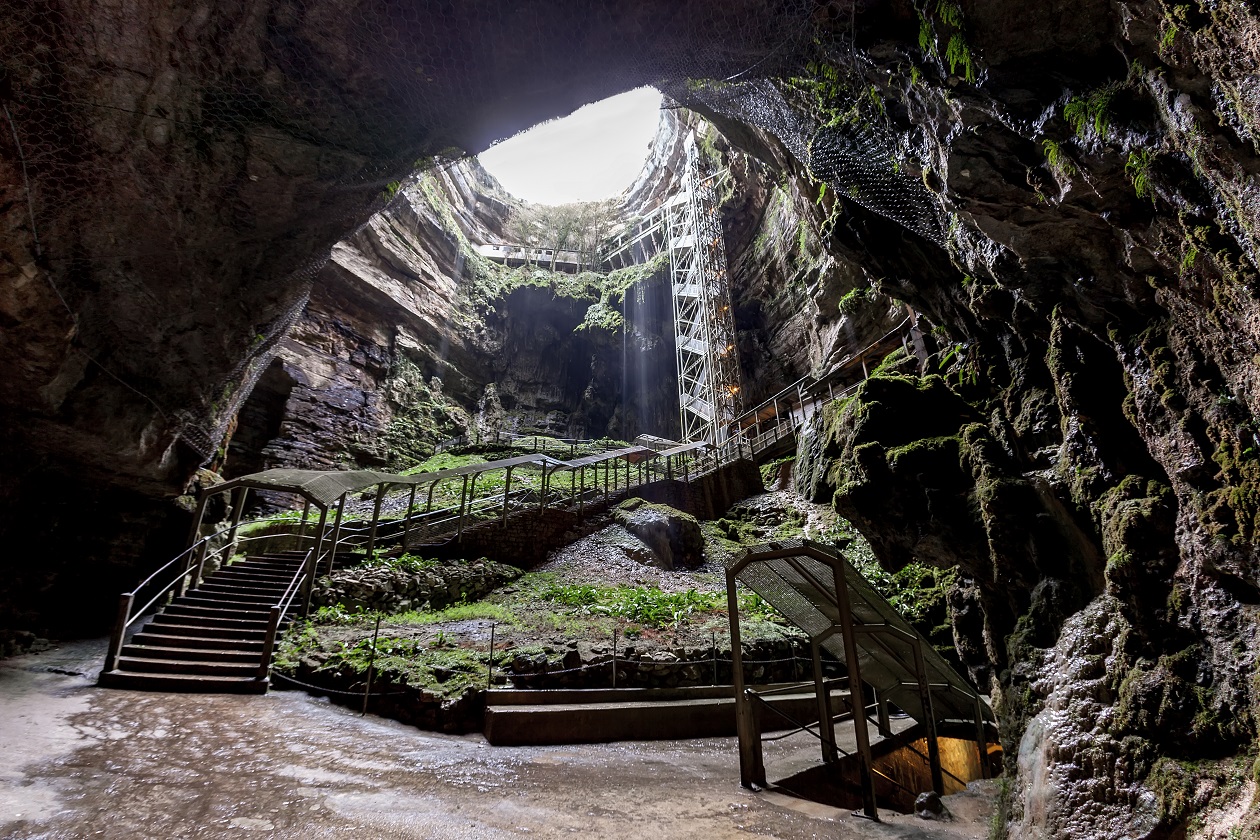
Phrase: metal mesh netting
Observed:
(848, 145)
(202, 158)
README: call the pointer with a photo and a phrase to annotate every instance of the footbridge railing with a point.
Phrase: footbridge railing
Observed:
(777, 419)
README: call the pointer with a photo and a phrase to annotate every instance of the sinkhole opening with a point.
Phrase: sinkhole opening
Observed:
(593, 154)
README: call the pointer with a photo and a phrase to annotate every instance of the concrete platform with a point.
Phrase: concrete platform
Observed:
(593, 716)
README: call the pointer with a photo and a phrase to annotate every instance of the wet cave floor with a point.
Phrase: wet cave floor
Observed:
(80, 761)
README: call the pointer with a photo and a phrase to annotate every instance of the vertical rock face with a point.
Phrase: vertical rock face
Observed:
(410, 338)
(1087, 452)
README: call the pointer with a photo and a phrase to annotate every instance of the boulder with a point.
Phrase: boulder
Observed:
(673, 536)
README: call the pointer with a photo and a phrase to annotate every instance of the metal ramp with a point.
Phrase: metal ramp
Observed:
(819, 591)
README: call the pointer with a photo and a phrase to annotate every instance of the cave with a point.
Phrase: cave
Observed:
(258, 422)
(238, 238)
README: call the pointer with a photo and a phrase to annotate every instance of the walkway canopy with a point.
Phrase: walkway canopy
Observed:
(323, 488)
(797, 578)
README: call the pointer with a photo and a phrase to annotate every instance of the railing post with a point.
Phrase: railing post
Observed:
(336, 534)
(411, 501)
(982, 739)
(752, 771)
(925, 697)
(237, 509)
(376, 517)
(313, 560)
(269, 643)
(125, 602)
(826, 726)
(463, 503)
(857, 699)
(194, 534)
(507, 488)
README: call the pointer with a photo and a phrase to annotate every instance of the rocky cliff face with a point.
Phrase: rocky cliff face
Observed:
(1082, 234)
(1067, 192)
(411, 338)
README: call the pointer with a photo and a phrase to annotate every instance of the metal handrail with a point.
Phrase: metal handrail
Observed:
(127, 615)
(803, 727)
(278, 611)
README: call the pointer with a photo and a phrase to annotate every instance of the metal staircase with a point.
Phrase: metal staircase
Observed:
(217, 637)
(704, 326)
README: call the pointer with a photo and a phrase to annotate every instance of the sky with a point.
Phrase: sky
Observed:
(592, 154)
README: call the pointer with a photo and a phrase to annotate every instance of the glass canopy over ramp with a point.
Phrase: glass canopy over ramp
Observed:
(815, 588)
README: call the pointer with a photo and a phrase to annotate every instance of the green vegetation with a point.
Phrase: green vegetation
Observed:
(855, 299)
(957, 52)
(1058, 161)
(422, 415)
(1091, 111)
(649, 607)
(601, 316)
(1138, 169)
(580, 227)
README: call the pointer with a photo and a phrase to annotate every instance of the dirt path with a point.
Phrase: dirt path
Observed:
(87, 762)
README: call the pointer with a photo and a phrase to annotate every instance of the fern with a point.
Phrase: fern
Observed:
(949, 13)
(1138, 168)
(1058, 160)
(1093, 111)
(927, 37)
(958, 53)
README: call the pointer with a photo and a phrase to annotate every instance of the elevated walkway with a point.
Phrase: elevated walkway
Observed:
(242, 605)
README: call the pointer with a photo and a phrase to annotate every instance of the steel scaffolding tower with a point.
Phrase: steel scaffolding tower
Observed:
(704, 329)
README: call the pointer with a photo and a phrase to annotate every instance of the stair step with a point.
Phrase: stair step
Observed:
(187, 666)
(214, 585)
(264, 564)
(162, 640)
(246, 575)
(258, 614)
(209, 632)
(183, 682)
(232, 593)
(143, 651)
(210, 598)
(163, 619)
(255, 608)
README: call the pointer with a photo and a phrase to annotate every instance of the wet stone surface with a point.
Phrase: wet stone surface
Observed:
(87, 762)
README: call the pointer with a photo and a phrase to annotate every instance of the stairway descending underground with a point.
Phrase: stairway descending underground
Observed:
(214, 638)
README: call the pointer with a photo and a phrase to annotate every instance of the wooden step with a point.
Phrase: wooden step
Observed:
(251, 578)
(195, 609)
(188, 626)
(259, 623)
(156, 639)
(147, 665)
(278, 567)
(143, 651)
(210, 598)
(241, 587)
(207, 683)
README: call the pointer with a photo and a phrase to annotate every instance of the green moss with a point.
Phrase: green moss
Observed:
(1233, 511)
(422, 416)
(926, 455)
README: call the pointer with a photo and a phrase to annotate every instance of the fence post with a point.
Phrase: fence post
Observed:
(367, 691)
(490, 659)
(120, 629)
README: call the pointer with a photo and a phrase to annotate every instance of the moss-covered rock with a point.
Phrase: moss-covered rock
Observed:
(673, 536)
